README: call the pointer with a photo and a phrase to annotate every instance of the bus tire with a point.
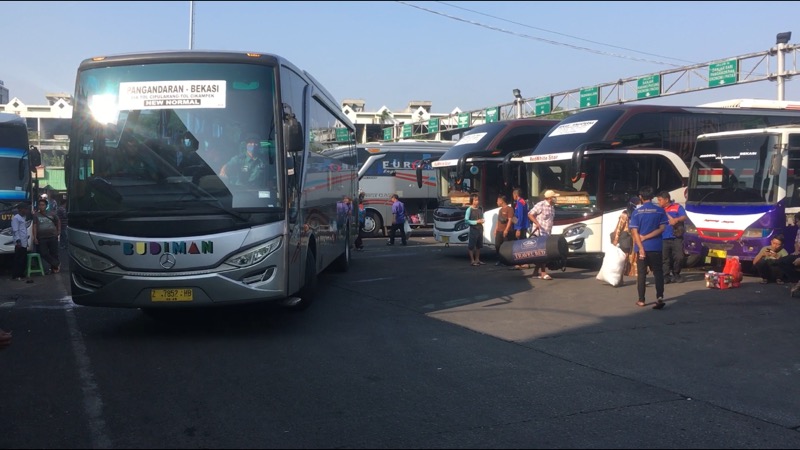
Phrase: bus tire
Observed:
(373, 224)
(309, 289)
(693, 260)
(342, 263)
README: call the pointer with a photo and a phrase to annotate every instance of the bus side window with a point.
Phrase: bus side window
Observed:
(793, 172)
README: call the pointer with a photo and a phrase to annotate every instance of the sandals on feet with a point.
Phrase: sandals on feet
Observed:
(545, 277)
(640, 303)
(764, 281)
(779, 281)
(659, 304)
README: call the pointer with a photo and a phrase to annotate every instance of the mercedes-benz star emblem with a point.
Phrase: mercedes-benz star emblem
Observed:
(167, 261)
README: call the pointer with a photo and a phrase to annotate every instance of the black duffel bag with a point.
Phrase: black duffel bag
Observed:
(534, 250)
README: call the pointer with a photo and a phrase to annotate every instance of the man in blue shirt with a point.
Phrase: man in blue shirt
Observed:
(398, 220)
(672, 237)
(521, 224)
(647, 225)
(520, 220)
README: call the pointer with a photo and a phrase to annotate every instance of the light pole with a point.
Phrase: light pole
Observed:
(191, 25)
(518, 102)
(782, 39)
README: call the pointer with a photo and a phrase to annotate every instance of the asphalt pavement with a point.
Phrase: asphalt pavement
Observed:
(448, 355)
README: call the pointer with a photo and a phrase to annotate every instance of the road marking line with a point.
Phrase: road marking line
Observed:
(373, 279)
(92, 402)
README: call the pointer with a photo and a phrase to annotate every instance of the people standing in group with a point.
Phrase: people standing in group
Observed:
(502, 232)
(61, 212)
(362, 219)
(475, 220)
(542, 215)
(766, 261)
(19, 232)
(520, 219)
(647, 225)
(398, 221)
(672, 238)
(46, 229)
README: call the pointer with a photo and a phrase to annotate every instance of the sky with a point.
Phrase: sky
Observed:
(467, 55)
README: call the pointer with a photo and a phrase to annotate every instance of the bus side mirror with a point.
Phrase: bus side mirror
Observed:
(576, 167)
(292, 132)
(34, 158)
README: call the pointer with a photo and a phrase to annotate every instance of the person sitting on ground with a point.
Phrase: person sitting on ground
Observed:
(766, 261)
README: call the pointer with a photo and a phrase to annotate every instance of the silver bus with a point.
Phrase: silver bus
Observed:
(200, 178)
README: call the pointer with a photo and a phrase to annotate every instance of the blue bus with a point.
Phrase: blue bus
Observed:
(16, 184)
(744, 189)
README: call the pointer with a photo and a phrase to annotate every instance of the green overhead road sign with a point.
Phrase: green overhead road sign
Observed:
(407, 130)
(342, 135)
(433, 125)
(492, 114)
(463, 120)
(648, 86)
(590, 97)
(544, 105)
(723, 73)
(387, 134)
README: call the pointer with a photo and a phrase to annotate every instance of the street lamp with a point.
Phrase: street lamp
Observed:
(781, 40)
(518, 102)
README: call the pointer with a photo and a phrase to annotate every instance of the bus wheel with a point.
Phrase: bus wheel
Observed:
(373, 225)
(309, 289)
(342, 263)
(693, 260)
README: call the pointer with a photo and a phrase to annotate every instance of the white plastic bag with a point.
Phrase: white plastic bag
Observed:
(613, 265)
(407, 229)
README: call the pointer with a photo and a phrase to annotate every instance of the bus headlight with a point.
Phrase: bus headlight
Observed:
(756, 232)
(89, 260)
(463, 225)
(255, 255)
(689, 227)
(574, 230)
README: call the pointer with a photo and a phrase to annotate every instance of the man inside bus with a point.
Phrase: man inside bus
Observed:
(247, 168)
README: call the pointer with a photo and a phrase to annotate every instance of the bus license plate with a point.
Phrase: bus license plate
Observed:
(717, 253)
(171, 295)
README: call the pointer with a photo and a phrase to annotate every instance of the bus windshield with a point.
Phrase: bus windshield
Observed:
(576, 198)
(14, 174)
(733, 170)
(195, 137)
(579, 129)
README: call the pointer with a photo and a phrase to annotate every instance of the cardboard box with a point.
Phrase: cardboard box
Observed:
(719, 280)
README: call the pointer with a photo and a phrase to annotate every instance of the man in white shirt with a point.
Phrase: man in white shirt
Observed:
(19, 232)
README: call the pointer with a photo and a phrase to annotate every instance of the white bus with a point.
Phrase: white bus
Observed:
(480, 163)
(388, 168)
(157, 223)
(598, 160)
